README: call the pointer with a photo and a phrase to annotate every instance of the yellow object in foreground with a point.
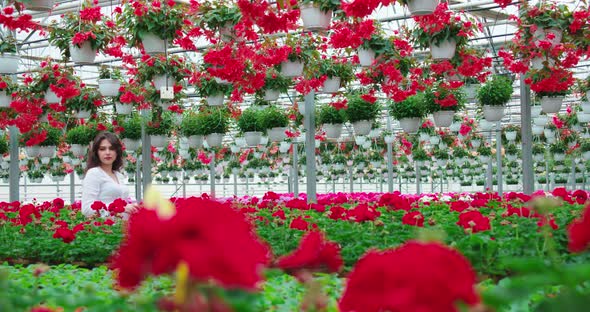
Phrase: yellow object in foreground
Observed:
(153, 200)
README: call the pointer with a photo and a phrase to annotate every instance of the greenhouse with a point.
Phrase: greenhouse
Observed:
(294, 155)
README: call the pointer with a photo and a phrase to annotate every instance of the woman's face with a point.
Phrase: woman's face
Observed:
(106, 152)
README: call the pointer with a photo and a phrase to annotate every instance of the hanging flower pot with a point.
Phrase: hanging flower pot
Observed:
(443, 118)
(538, 157)
(32, 151)
(159, 141)
(152, 44)
(535, 111)
(9, 63)
(277, 134)
(40, 5)
(537, 130)
(313, 18)
(410, 125)
(362, 127)
(195, 141)
(542, 120)
(333, 131)
(123, 109)
(558, 157)
(271, 95)
(585, 106)
(422, 7)
(584, 117)
(131, 145)
(291, 69)
(366, 56)
(252, 137)
(47, 151)
(331, 85)
(78, 150)
(5, 99)
(214, 139)
(445, 50)
(493, 113)
(539, 62)
(109, 87)
(586, 155)
(551, 104)
(215, 100)
(541, 34)
(84, 54)
(162, 81)
(51, 97)
(510, 135)
(83, 114)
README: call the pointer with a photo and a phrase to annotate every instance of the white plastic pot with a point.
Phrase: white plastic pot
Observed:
(535, 111)
(558, 157)
(584, 117)
(542, 120)
(252, 137)
(586, 155)
(585, 106)
(9, 63)
(131, 145)
(214, 139)
(85, 114)
(333, 131)
(291, 69)
(51, 97)
(32, 151)
(109, 87)
(39, 5)
(159, 141)
(510, 135)
(331, 85)
(123, 109)
(537, 130)
(443, 118)
(493, 113)
(271, 95)
(162, 81)
(422, 7)
(362, 127)
(79, 149)
(410, 125)
(444, 51)
(5, 99)
(539, 62)
(277, 134)
(152, 44)
(215, 100)
(551, 104)
(83, 54)
(195, 141)
(366, 56)
(313, 18)
(541, 34)
(47, 151)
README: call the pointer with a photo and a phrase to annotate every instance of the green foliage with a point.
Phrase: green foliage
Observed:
(411, 107)
(459, 152)
(440, 153)
(161, 124)
(172, 66)
(272, 117)
(7, 45)
(484, 150)
(585, 145)
(450, 31)
(213, 120)
(217, 14)
(559, 147)
(190, 124)
(54, 136)
(511, 149)
(495, 92)
(132, 127)
(108, 72)
(209, 87)
(440, 93)
(163, 22)
(86, 101)
(419, 154)
(378, 43)
(251, 120)
(275, 81)
(328, 114)
(82, 134)
(333, 68)
(3, 145)
(324, 5)
(358, 109)
(539, 148)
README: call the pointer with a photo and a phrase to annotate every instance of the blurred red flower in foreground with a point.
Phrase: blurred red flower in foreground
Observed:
(579, 232)
(214, 240)
(314, 253)
(413, 277)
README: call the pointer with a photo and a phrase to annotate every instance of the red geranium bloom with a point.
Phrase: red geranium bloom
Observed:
(314, 252)
(65, 234)
(579, 232)
(413, 277)
(474, 220)
(299, 224)
(414, 218)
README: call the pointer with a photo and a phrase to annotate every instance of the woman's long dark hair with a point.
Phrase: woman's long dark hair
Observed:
(94, 161)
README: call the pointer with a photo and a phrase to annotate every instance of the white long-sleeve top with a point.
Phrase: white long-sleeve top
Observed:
(99, 186)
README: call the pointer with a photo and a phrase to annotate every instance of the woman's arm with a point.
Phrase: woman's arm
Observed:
(90, 191)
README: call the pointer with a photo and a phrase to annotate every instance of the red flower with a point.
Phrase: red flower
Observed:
(98, 205)
(459, 206)
(313, 253)
(413, 277)
(581, 196)
(58, 203)
(579, 232)
(213, 239)
(299, 224)
(474, 220)
(65, 234)
(414, 218)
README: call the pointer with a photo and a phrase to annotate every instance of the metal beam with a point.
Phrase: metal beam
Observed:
(309, 122)
(528, 178)
(14, 171)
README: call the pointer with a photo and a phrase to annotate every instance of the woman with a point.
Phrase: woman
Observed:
(102, 181)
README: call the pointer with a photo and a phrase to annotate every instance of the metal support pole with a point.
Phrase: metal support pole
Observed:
(573, 174)
(137, 179)
(418, 182)
(235, 184)
(527, 138)
(389, 159)
(499, 158)
(72, 187)
(548, 185)
(146, 157)
(489, 172)
(309, 122)
(212, 175)
(295, 172)
(14, 172)
(183, 184)
(350, 180)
